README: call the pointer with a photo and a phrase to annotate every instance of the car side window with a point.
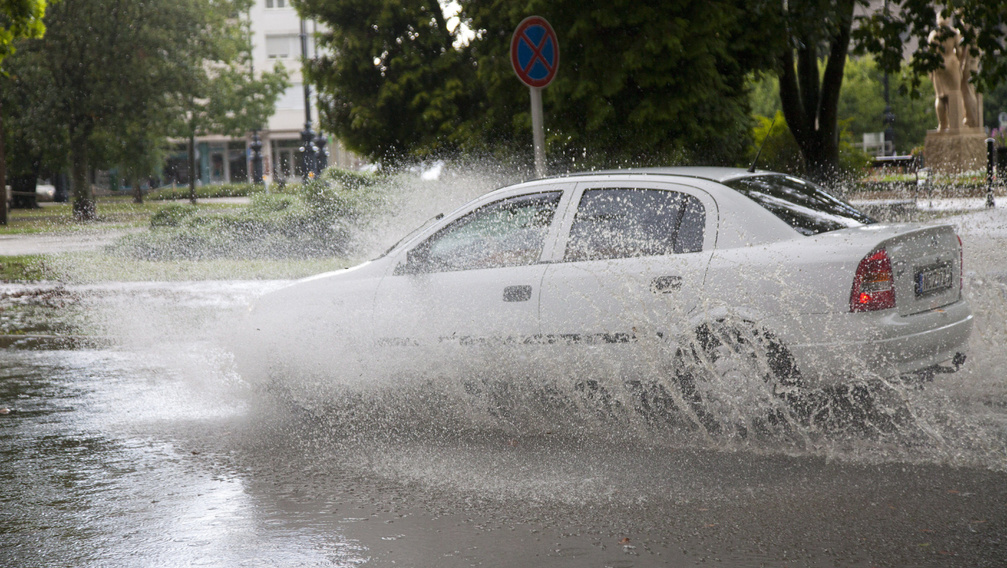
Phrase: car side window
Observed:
(623, 223)
(509, 232)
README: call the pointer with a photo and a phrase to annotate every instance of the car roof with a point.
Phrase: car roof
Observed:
(718, 174)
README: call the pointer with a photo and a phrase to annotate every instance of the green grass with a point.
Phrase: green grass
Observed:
(115, 212)
(26, 268)
(284, 235)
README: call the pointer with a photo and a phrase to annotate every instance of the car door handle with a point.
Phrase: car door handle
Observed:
(517, 293)
(666, 284)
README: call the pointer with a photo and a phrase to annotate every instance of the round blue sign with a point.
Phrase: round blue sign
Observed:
(534, 52)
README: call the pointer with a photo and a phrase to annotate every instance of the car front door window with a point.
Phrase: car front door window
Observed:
(510, 232)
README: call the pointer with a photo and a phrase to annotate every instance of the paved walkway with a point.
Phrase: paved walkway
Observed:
(940, 204)
(13, 245)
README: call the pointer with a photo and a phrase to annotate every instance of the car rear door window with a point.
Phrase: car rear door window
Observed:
(803, 205)
(509, 232)
(624, 223)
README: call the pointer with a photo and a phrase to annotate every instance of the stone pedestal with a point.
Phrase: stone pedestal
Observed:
(956, 151)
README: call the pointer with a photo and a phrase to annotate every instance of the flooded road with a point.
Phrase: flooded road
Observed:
(130, 440)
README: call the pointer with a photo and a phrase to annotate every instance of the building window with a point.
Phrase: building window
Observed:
(276, 3)
(282, 46)
(292, 98)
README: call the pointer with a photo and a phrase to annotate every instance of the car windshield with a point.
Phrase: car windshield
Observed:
(807, 208)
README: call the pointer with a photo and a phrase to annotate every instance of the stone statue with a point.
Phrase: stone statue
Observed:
(948, 79)
(971, 100)
(958, 145)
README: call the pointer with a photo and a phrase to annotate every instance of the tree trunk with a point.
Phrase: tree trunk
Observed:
(192, 168)
(84, 208)
(4, 213)
(810, 100)
(137, 192)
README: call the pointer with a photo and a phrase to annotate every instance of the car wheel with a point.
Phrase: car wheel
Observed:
(735, 376)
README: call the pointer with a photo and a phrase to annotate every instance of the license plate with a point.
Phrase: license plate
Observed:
(933, 279)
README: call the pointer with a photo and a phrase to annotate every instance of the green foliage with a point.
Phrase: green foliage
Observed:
(172, 215)
(391, 85)
(639, 82)
(34, 143)
(994, 102)
(764, 94)
(781, 153)
(216, 92)
(19, 19)
(779, 150)
(113, 78)
(862, 102)
(25, 268)
(981, 23)
(206, 191)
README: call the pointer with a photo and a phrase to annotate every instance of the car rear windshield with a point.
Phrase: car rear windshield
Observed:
(801, 204)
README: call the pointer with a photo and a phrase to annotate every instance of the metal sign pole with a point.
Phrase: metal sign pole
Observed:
(534, 54)
(538, 132)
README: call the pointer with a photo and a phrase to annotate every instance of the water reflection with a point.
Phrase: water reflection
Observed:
(110, 461)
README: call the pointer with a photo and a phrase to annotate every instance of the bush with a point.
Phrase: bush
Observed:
(780, 152)
(171, 215)
(313, 220)
(779, 149)
(205, 191)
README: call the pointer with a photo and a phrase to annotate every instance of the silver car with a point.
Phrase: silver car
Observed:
(726, 288)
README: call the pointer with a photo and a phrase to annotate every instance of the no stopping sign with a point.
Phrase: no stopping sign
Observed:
(534, 52)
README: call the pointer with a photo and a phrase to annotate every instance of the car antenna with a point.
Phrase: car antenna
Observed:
(751, 169)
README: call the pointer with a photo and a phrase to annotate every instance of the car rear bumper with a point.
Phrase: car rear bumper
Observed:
(863, 345)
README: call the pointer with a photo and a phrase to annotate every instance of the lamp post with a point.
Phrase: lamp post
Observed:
(321, 153)
(309, 164)
(256, 147)
(889, 116)
(889, 120)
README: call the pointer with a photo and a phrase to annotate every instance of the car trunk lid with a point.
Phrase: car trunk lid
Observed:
(926, 267)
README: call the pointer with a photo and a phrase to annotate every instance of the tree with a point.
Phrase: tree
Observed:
(104, 62)
(391, 82)
(862, 103)
(826, 32)
(120, 73)
(639, 82)
(218, 93)
(19, 19)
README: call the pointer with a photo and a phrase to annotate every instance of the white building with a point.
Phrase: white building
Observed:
(276, 37)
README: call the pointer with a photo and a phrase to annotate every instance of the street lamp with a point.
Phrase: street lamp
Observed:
(309, 163)
(256, 147)
(889, 116)
(321, 153)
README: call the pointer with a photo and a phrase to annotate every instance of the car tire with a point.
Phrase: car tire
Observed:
(735, 377)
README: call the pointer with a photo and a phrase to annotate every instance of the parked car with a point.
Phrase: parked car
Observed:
(727, 287)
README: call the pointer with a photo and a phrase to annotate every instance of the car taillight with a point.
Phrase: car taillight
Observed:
(874, 284)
